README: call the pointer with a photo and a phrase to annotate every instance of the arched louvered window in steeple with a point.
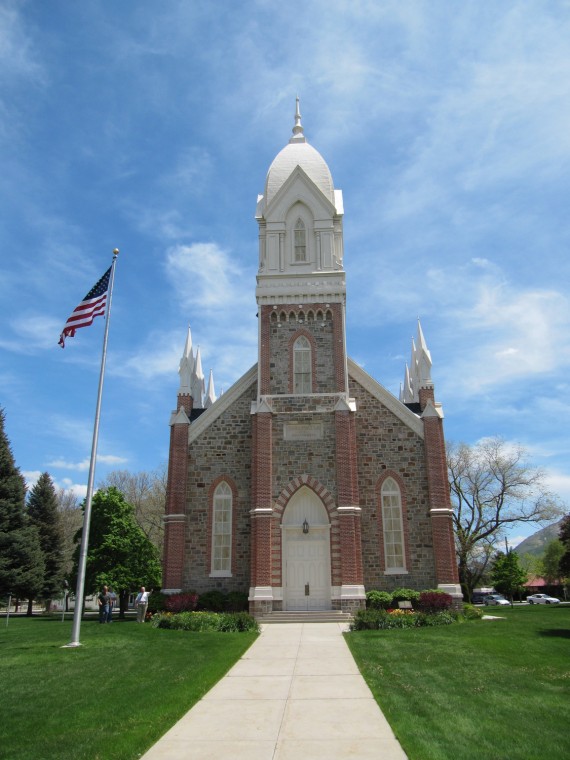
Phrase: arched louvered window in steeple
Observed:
(302, 366)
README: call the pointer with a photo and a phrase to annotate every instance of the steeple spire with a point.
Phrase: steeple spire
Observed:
(210, 393)
(186, 366)
(197, 381)
(423, 361)
(298, 134)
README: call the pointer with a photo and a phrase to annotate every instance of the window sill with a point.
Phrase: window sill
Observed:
(221, 574)
(396, 571)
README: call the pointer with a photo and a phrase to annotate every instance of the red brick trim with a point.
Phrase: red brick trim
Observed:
(380, 520)
(233, 488)
(279, 508)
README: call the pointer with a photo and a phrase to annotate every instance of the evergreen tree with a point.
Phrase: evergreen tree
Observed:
(21, 559)
(120, 555)
(507, 575)
(43, 513)
(564, 564)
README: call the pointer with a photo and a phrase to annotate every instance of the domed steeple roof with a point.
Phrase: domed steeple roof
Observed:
(298, 153)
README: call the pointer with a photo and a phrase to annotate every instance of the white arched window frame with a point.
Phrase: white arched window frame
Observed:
(222, 531)
(302, 366)
(300, 242)
(393, 527)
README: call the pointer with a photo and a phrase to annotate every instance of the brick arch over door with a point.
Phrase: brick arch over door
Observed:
(279, 508)
(380, 537)
(211, 491)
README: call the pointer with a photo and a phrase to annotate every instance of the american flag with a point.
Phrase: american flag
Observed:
(93, 305)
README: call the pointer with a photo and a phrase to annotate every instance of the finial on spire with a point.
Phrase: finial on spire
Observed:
(298, 134)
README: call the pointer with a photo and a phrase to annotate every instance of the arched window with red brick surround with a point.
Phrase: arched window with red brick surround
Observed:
(222, 509)
(302, 366)
(392, 526)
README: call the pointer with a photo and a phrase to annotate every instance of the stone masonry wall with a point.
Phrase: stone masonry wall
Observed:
(224, 449)
(384, 443)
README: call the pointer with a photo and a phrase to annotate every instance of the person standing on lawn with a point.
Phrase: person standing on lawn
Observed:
(141, 603)
(104, 602)
(112, 603)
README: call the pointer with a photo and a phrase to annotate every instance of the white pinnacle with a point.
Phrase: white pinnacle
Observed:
(186, 366)
(197, 381)
(210, 393)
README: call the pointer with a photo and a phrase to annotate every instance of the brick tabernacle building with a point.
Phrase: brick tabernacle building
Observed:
(306, 483)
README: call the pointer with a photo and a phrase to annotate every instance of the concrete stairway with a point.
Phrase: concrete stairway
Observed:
(323, 616)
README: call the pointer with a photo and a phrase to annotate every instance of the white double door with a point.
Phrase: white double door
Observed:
(307, 570)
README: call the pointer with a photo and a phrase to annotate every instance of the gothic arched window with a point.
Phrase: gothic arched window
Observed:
(392, 525)
(302, 374)
(300, 242)
(222, 530)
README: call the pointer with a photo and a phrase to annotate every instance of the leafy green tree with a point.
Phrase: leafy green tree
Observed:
(119, 554)
(492, 488)
(507, 575)
(550, 562)
(43, 513)
(21, 559)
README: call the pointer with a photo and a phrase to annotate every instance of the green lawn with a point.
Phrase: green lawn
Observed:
(482, 690)
(111, 698)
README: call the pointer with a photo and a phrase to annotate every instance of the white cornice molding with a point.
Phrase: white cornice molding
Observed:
(385, 397)
(222, 404)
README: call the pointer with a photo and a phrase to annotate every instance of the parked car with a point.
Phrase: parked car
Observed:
(477, 597)
(542, 599)
(496, 599)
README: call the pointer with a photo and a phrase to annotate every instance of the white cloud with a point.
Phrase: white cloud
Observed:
(78, 489)
(205, 276)
(84, 465)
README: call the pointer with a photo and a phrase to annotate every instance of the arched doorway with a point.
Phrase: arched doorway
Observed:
(306, 553)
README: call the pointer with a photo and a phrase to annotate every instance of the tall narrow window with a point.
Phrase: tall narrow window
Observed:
(302, 374)
(300, 242)
(392, 525)
(222, 531)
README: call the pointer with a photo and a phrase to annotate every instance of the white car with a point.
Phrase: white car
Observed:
(497, 599)
(542, 599)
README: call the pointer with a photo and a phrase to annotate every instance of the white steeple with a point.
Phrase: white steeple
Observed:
(210, 393)
(197, 381)
(419, 373)
(186, 366)
(423, 361)
(407, 393)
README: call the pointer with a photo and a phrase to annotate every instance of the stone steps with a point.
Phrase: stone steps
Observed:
(319, 616)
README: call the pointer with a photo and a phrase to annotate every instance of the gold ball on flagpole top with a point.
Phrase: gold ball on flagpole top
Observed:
(115, 251)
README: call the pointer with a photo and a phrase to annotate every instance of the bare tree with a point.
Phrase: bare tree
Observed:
(493, 486)
(71, 518)
(146, 492)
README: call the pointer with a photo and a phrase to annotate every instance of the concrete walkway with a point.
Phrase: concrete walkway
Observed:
(296, 693)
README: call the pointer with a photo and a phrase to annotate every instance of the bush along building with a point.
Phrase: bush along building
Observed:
(306, 483)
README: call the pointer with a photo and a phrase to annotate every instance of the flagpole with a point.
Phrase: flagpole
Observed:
(80, 589)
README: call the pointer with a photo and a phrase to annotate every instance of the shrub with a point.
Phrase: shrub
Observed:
(235, 622)
(366, 620)
(156, 602)
(206, 621)
(470, 612)
(237, 601)
(438, 618)
(183, 602)
(405, 595)
(378, 600)
(434, 601)
(213, 601)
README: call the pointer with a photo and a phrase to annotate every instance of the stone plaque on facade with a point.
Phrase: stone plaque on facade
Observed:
(303, 431)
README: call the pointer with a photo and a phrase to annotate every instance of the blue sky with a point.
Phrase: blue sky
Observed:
(150, 127)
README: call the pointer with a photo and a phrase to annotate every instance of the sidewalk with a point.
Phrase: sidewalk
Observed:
(296, 693)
